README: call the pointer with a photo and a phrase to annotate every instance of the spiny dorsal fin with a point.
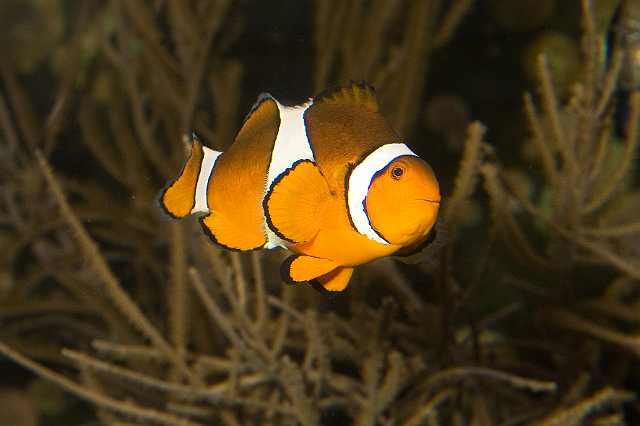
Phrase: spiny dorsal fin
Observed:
(359, 94)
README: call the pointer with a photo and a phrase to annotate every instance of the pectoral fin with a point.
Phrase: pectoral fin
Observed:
(295, 201)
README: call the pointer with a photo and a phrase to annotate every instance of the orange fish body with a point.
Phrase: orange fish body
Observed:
(328, 180)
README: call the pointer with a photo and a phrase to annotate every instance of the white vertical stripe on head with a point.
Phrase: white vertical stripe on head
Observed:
(291, 145)
(360, 180)
(208, 161)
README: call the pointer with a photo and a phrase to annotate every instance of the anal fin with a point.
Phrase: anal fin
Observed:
(295, 201)
(228, 234)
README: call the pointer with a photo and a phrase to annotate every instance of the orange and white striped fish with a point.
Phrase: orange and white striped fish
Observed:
(328, 180)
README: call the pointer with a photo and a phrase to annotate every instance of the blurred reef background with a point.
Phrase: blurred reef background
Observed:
(526, 309)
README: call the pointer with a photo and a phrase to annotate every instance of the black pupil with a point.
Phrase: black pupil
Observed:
(397, 172)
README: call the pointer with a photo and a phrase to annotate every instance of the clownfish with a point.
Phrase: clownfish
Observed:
(328, 180)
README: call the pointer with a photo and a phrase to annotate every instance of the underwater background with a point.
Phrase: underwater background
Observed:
(525, 310)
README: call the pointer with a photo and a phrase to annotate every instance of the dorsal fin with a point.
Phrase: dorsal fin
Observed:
(357, 94)
(264, 96)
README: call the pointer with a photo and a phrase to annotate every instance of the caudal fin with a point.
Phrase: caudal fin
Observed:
(187, 193)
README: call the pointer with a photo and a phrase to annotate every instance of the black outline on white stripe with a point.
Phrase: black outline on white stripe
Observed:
(374, 235)
(286, 154)
(217, 155)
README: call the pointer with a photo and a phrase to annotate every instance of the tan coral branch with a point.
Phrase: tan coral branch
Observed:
(119, 406)
(98, 263)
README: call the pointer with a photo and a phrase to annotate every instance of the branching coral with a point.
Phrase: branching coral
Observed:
(586, 174)
(584, 163)
(343, 28)
(151, 324)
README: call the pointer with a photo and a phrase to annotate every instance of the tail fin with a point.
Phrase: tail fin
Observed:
(187, 193)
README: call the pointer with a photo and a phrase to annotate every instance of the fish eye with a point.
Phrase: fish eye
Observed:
(397, 172)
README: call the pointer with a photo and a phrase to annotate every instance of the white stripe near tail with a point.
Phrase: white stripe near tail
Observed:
(208, 161)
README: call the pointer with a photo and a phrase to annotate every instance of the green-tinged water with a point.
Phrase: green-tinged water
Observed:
(525, 309)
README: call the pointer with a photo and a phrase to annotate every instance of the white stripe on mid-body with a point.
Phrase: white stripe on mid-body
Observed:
(291, 145)
(360, 180)
(208, 161)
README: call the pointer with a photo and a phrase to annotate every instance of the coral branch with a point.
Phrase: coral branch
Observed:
(467, 174)
(119, 406)
(575, 414)
(100, 266)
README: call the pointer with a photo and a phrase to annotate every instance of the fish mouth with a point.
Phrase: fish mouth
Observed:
(428, 200)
